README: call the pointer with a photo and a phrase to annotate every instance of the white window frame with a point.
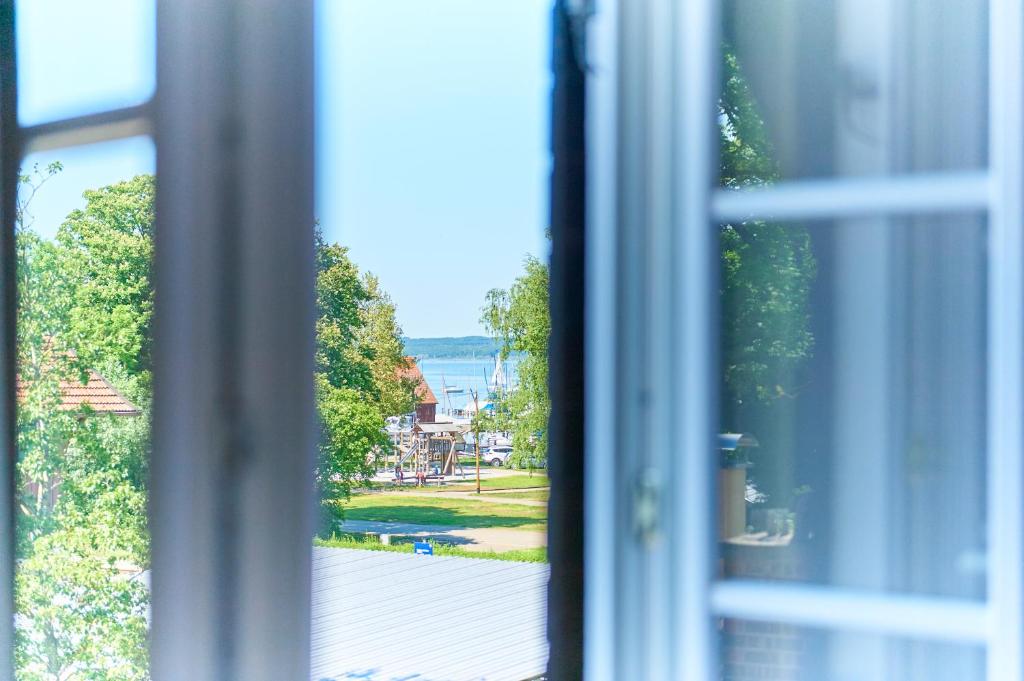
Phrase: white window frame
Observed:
(234, 434)
(16, 143)
(651, 597)
(234, 423)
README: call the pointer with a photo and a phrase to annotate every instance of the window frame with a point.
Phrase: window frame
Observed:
(654, 181)
(234, 90)
(16, 142)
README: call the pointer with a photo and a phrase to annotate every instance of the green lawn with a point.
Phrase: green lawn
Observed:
(350, 541)
(518, 481)
(460, 511)
(535, 494)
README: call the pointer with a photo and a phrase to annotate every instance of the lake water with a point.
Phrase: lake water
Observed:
(468, 374)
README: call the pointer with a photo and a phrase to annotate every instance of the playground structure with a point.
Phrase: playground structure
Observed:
(428, 448)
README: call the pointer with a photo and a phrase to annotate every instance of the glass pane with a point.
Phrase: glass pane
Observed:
(76, 58)
(852, 87)
(84, 247)
(770, 651)
(853, 403)
(432, 167)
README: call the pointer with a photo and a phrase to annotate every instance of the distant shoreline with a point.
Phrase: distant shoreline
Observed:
(455, 347)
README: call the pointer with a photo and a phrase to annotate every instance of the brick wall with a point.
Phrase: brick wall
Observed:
(763, 651)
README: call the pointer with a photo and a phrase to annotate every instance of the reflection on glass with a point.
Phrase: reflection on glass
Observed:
(84, 249)
(853, 403)
(77, 58)
(836, 88)
(770, 651)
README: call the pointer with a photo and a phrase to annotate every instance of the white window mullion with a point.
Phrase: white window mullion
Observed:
(1006, 342)
(234, 432)
(956, 620)
(601, 273)
(851, 197)
(94, 128)
(693, 521)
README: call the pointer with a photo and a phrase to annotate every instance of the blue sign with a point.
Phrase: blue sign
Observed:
(422, 548)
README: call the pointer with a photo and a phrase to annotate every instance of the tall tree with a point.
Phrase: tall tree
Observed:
(767, 270)
(351, 431)
(80, 617)
(767, 267)
(381, 338)
(359, 348)
(108, 250)
(341, 298)
(520, 319)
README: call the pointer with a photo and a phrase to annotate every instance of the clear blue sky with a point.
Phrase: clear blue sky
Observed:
(432, 159)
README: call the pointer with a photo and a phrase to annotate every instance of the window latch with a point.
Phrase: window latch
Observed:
(646, 506)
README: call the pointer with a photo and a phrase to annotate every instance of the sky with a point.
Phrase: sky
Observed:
(432, 134)
(432, 147)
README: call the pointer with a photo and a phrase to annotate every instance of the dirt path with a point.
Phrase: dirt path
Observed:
(496, 539)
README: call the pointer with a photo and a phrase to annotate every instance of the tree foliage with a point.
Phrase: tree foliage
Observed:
(108, 254)
(767, 267)
(81, 604)
(340, 299)
(86, 302)
(520, 319)
(351, 431)
(359, 348)
(381, 339)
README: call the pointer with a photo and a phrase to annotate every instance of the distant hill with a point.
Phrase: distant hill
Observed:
(452, 348)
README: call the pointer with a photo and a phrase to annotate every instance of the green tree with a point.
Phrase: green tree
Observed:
(81, 618)
(81, 614)
(359, 349)
(767, 267)
(520, 319)
(341, 298)
(108, 256)
(381, 338)
(767, 270)
(86, 302)
(351, 433)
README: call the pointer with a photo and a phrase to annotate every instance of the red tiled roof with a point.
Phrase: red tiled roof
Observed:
(96, 393)
(424, 395)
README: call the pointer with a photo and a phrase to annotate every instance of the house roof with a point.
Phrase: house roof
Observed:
(411, 370)
(441, 427)
(96, 393)
(382, 616)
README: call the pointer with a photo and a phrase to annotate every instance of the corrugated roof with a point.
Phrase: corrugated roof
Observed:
(381, 616)
(96, 393)
(424, 395)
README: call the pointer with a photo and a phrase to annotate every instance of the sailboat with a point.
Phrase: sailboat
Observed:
(498, 382)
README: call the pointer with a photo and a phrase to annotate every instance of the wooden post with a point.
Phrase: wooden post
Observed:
(476, 436)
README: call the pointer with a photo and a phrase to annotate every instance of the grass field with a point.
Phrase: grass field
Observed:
(349, 541)
(517, 481)
(458, 511)
(534, 494)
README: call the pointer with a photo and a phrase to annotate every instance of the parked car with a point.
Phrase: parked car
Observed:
(498, 455)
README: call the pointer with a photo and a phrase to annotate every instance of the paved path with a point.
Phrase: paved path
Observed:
(472, 539)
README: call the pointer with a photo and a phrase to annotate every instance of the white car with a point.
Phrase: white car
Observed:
(497, 456)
